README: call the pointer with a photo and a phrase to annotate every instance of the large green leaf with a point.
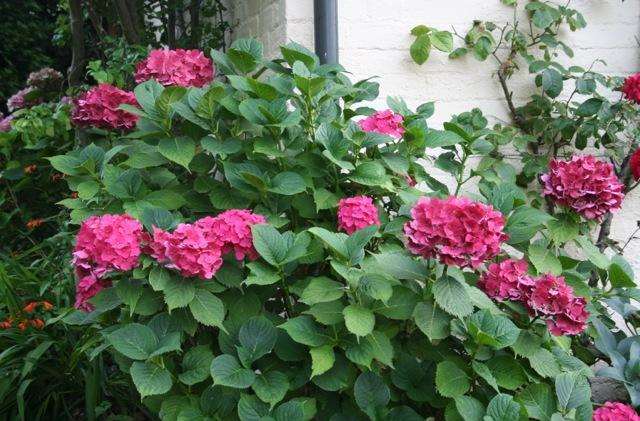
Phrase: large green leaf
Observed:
(226, 371)
(321, 290)
(359, 320)
(150, 379)
(180, 150)
(271, 245)
(304, 330)
(207, 308)
(503, 408)
(572, 390)
(134, 340)
(495, 331)
(432, 321)
(452, 296)
(322, 359)
(196, 364)
(544, 259)
(271, 387)
(371, 392)
(257, 337)
(539, 401)
(451, 381)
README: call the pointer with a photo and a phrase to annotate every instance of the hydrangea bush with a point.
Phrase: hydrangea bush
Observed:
(270, 248)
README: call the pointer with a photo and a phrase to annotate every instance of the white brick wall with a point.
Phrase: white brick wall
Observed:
(262, 19)
(374, 40)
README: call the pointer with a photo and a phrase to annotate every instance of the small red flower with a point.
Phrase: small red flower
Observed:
(34, 223)
(631, 88)
(37, 323)
(634, 165)
(7, 323)
(23, 325)
(46, 305)
(30, 307)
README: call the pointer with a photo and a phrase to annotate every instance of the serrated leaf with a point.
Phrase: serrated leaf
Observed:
(271, 387)
(227, 371)
(451, 381)
(304, 330)
(207, 308)
(134, 340)
(178, 292)
(180, 150)
(150, 379)
(359, 320)
(196, 365)
(258, 337)
(503, 408)
(452, 296)
(370, 392)
(321, 290)
(432, 321)
(322, 359)
(572, 390)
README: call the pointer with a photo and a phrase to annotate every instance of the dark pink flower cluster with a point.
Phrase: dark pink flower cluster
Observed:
(355, 213)
(588, 186)
(507, 280)
(21, 99)
(98, 107)
(45, 79)
(631, 88)
(103, 244)
(455, 230)
(176, 67)
(634, 165)
(547, 296)
(5, 123)
(197, 249)
(615, 411)
(385, 122)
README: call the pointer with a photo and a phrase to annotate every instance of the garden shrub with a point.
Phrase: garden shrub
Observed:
(270, 248)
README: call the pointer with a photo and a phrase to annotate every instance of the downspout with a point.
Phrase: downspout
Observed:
(325, 24)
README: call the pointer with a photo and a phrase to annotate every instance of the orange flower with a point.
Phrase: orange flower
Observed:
(30, 307)
(35, 223)
(30, 169)
(23, 325)
(7, 323)
(37, 323)
(46, 305)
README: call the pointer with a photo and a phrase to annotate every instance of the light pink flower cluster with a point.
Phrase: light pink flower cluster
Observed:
(547, 296)
(46, 79)
(176, 67)
(615, 411)
(588, 186)
(98, 107)
(103, 244)
(385, 122)
(5, 123)
(355, 213)
(507, 280)
(631, 88)
(455, 230)
(197, 249)
(21, 99)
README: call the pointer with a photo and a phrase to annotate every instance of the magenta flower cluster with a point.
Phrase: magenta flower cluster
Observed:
(547, 296)
(176, 67)
(456, 231)
(631, 88)
(385, 122)
(104, 244)
(355, 213)
(615, 411)
(99, 107)
(584, 184)
(197, 249)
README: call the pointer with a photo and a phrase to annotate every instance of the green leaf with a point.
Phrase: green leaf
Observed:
(324, 199)
(287, 183)
(507, 371)
(226, 371)
(432, 321)
(359, 320)
(245, 54)
(370, 392)
(322, 359)
(400, 306)
(304, 330)
(376, 286)
(451, 381)
(420, 49)
(590, 107)
(524, 223)
(496, 331)
(336, 241)
(261, 274)
(440, 138)
(179, 292)
(563, 229)
(207, 308)
(257, 337)
(572, 390)
(327, 313)
(150, 379)
(621, 273)
(168, 343)
(159, 278)
(87, 189)
(66, 164)
(469, 408)
(442, 40)
(271, 387)
(544, 259)
(218, 146)
(592, 253)
(400, 266)
(180, 150)
(321, 290)
(544, 363)
(370, 173)
(290, 411)
(165, 199)
(552, 82)
(503, 408)
(271, 245)
(483, 371)
(134, 340)
(452, 296)
(250, 408)
(539, 401)
(196, 365)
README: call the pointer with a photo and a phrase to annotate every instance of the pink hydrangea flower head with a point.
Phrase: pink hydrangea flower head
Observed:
(588, 186)
(455, 230)
(631, 88)
(231, 230)
(190, 250)
(385, 122)
(108, 242)
(5, 123)
(157, 244)
(355, 213)
(572, 321)
(86, 288)
(550, 295)
(45, 79)
(615, 411)
(634, 165)
(176, 67)
(98, 107)
(507, 280)
(21, 99)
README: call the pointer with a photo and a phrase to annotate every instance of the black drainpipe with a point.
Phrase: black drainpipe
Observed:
(325, 23)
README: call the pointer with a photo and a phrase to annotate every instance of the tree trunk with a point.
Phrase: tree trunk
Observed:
(76, 70)
(127, 22)
(194, 21)
(171, 23)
